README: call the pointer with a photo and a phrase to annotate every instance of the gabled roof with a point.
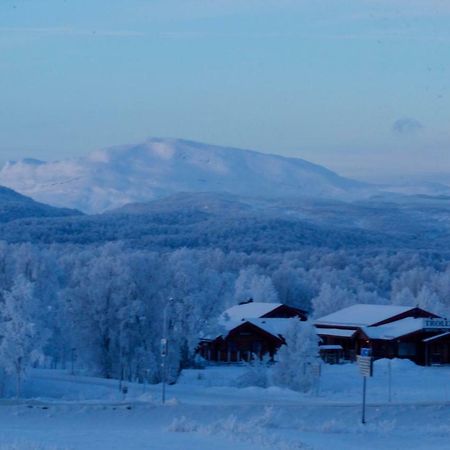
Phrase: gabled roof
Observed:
(362, 315)
(275, 327)
(239, 313)
(395, 329)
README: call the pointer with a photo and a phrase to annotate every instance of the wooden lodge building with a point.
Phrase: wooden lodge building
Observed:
(250, 329)
(390, 331)
(255, 329)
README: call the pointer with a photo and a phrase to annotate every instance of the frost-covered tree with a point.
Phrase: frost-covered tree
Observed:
(106, 299)
(404, 297)
(331, 299)
(295, 359)
(22, 336)
(292, 288)
(251, 284)
(428, 300)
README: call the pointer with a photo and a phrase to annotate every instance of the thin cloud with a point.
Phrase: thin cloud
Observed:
(406, 126)
(70, 31)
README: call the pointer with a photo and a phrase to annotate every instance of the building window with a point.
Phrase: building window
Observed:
(256, 347)
(406, 349)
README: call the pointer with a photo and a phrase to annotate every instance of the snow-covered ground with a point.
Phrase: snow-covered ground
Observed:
(206, 410)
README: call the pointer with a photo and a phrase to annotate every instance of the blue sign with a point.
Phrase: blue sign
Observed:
(366, 352)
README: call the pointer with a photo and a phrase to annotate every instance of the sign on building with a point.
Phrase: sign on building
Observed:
(436, 324)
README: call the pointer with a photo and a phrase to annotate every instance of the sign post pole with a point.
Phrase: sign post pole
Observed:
(365, 364)
(316, 370)
(164, 349)
(363, 418)
(72, 361)
(389, 381)
(163, 369)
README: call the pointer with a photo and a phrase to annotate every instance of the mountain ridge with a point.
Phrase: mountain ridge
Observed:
(110, 178)
(17, 206)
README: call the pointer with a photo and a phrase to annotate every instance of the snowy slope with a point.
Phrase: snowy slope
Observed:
(207, 410)
(110, 178)
(16, 206)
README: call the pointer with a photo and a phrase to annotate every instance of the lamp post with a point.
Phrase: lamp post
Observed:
(164, 348)
(72, 361)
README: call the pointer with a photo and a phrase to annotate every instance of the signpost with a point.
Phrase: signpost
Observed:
(316, 370)
(164, 348)
(389, 381)
(163, 367)
(436, 324)
(72, 361)
(365, 363)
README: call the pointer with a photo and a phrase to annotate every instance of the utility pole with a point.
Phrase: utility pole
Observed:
(72, 361)
(164, 348)
(389, 381)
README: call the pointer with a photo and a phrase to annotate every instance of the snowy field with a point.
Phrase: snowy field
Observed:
(206, 410)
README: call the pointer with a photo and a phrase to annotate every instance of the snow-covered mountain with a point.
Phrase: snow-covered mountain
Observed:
(16, 206)
(113, 177)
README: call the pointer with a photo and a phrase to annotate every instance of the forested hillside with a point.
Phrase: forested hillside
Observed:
(95, 287)
(250, 225)
(16, 206)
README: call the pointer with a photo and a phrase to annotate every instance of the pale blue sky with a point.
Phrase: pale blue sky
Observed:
(360, 86)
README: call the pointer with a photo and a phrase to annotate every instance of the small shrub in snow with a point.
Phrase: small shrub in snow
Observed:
(28, 446)
(172, 402)
(386, 426)
(267, 419)
(147, 397)
(333, 426)
(182, 425)
(251, 431)
(255, 374)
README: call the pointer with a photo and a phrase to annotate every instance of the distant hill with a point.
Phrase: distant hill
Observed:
(157, 168)
(187, 202)
(16, 206)
(211, 220)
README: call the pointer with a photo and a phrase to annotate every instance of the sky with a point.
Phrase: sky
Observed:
(362, 87)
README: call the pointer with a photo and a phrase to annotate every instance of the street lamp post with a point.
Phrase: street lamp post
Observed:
(72, 361)
(164, 348)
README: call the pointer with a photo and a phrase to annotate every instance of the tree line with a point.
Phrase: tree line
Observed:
(103, 304)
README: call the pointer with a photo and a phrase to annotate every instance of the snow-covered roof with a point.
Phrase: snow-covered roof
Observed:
(273, 326)
(361, 315)
(330, 347)
(239, 313)
(434, 338)
(335, 332)
(395, 329)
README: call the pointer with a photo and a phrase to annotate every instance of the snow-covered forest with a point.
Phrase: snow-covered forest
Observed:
(91, 290)
(102, 305)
